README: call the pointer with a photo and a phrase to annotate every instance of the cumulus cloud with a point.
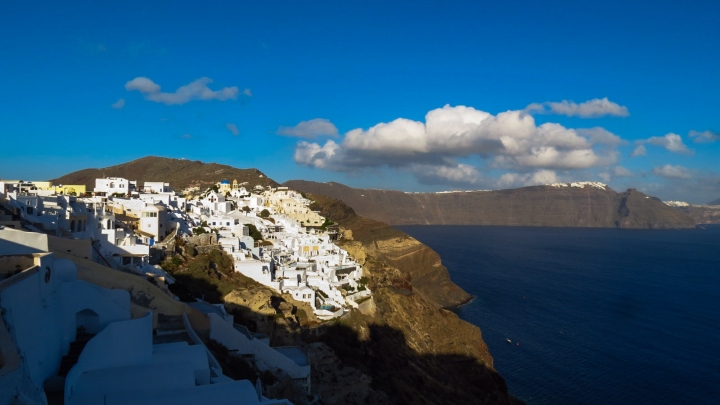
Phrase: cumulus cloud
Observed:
(601, 136)
(310, 129)
(118, 104)
(232, 128)
(640, 150)
(540, 177)
(704, 136)
(328, 156)
(509, 140)
(598, 107)
(672, 172)
(671, 142)
(617, 171)
(197, 90)
(620, 171)
(459, 175)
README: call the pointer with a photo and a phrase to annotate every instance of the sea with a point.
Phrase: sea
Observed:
(592, 316)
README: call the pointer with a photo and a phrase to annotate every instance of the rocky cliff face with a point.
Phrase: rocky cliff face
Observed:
(413, 349)
(529, 206)
(702, 214)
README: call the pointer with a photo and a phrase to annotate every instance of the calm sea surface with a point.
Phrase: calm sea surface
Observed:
(595, 316)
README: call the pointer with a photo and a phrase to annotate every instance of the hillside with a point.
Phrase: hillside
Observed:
(180, 173)
(714, 202)
(702, 214)
(528, 206)
(413, 349)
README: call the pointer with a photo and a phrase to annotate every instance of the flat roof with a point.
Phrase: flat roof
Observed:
(295, 354)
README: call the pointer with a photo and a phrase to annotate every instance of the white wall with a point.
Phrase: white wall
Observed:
(124, 343)
(42, 314)
(226, 334)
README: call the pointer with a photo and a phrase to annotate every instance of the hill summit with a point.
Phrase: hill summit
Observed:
(180, 173)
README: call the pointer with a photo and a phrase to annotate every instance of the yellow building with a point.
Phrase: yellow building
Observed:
(71, 189)
(67, 189)
(43, 185)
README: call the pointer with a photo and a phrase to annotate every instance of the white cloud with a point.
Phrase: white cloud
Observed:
(704, 136)
(232, 128)
(594, 108)
(321, 157)
(672, 172)
(617, 171)
(639, 150)
(197, 90)
(460, 175)
(620, 171)
(310, 129)
(186, 136)
(509, 140)
(671, 142)
(601, 136)
(540, 177)
(118, 104)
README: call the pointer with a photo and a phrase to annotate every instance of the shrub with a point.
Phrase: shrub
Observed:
(254, 233)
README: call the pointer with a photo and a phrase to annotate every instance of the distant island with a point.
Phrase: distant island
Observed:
(586, 204)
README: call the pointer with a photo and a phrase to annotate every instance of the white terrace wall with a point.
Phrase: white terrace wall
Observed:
(125, 343)
(43, 306)
(226, 334)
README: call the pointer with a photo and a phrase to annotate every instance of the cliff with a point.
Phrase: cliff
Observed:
(702, 214)
(413, 349)
(587, 206)
(180, 173)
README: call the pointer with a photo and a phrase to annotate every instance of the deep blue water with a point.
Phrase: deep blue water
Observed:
(601, 316)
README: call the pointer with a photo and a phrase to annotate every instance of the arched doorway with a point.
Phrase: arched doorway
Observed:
(89, 320)
(72, 226)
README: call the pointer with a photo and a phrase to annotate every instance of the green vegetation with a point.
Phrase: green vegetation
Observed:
(327, 223)
(254, 233)
(208, 275)
(264, 213)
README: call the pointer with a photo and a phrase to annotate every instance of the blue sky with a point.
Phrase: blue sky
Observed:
(418, 96)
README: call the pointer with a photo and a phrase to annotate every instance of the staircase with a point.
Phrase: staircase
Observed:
(170, 328)
(76, 347)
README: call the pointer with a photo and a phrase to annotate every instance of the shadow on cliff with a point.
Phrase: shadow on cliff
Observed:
(377, 350)
(411, 378)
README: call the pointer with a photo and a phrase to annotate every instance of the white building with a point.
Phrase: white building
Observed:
(115, 185)
(156, 187)
(47, 310)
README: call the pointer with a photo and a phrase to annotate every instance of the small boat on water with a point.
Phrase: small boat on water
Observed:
(508, 340)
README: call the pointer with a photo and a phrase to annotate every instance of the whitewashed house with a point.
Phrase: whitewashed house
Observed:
(115, 185)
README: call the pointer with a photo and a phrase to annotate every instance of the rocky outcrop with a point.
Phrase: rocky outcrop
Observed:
(702, 214)
(420, 268)
(413, 349)
(337, 383)
(587, 206)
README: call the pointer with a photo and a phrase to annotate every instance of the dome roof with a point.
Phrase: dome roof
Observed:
(224, 182)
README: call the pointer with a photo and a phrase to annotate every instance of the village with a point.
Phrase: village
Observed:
(272, 235)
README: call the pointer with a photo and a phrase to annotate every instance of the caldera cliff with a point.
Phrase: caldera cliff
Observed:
(405, 339)
(587, 205)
